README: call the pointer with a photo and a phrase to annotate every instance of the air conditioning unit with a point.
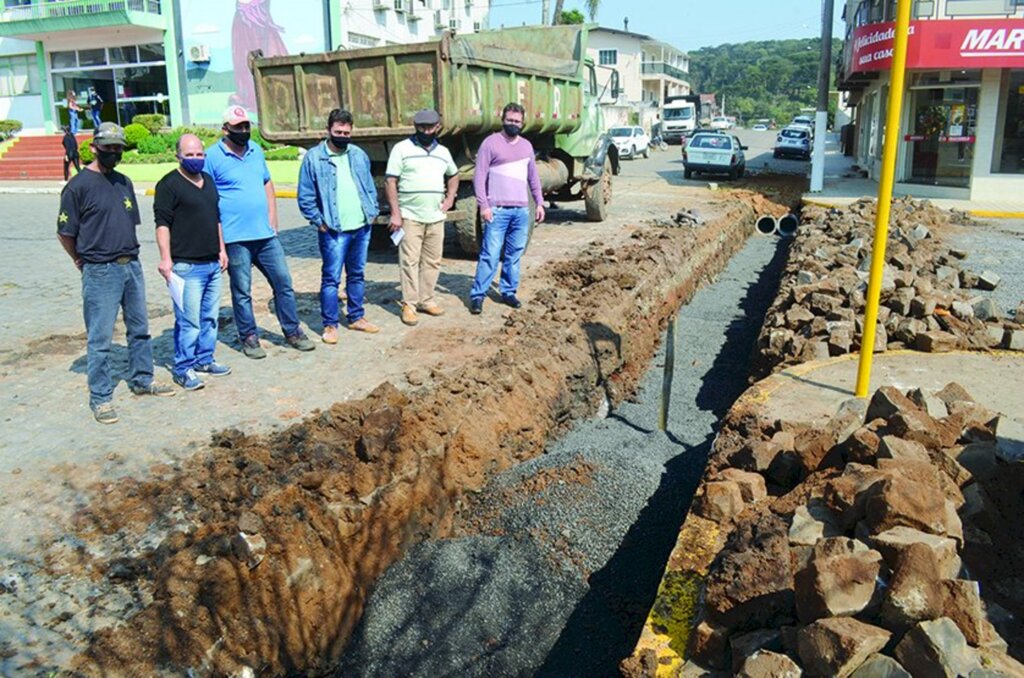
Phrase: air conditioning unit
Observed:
(199, 53)
(477, 26)
(454, 25)
(380, 4)
(400, 5)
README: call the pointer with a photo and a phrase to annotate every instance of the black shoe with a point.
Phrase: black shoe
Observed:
(476, 306)
(511, 300)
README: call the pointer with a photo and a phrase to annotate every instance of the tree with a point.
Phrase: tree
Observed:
(571, 16)
(592, 7)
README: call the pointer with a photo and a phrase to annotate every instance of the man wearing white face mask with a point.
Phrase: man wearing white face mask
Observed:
(191, 243)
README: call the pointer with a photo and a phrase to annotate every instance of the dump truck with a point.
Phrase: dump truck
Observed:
(468, 79)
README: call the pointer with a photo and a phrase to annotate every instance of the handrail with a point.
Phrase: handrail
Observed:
(69, 8)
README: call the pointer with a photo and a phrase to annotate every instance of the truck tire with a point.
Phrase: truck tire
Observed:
(598, 195)
(468, 231)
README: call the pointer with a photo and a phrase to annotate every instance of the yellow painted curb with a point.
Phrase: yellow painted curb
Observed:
(842, 202)
(996, 214)
(280, 194)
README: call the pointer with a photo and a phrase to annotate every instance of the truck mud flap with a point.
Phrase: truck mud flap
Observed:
(593, 168)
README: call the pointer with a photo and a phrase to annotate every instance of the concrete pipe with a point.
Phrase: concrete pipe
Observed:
(766, 224)
(788, 225)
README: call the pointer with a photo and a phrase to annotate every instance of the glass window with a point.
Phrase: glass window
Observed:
(92, 57)
(608, 57)
(123, 55)
(18, 75)
(151, 52)
(141, 81)
(1010, 158)
(64, 60)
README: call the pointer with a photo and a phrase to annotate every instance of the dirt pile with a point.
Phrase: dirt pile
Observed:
(927, 301)
(258, 554)
(887, 539)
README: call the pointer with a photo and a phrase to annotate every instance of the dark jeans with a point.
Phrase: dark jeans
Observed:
(268, 256)
(348, 249)
(67, 165)
(105, 289)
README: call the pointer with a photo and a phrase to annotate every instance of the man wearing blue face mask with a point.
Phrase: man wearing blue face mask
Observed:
(192, 255)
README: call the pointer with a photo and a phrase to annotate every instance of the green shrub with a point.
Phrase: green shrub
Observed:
(136, 158)
(154, 122)
(8, 128)
(283, 153)
(135, 133)
(84, 152)
(258, 139)
(154, 144)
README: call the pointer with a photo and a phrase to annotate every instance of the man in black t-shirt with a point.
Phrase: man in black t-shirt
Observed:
(192, 258)
(96, 226)
(70, 153)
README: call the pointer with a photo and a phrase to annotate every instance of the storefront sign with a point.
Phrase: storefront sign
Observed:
(982, 43)
(942, 138)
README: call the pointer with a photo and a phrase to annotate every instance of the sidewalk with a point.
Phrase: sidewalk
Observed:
(844, 185)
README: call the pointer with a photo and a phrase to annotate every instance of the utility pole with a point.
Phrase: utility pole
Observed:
(544, 6)
(821, 119)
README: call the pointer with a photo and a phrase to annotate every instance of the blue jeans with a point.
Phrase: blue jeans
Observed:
(96, 117)
(195, 325)
(105, 289)
(268, 256)
(73, 121)
(511, 229)
(348, 249)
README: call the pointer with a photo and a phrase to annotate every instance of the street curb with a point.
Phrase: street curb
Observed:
(982, 214)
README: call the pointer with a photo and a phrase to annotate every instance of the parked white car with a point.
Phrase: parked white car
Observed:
(631, 141)
(721, 122)
(803, 122)
(714, 153)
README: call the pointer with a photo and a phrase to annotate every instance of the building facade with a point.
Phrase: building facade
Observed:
(962, 126)
(186, 59)
(649, 70)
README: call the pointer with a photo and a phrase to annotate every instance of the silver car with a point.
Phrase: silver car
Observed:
(714, 153)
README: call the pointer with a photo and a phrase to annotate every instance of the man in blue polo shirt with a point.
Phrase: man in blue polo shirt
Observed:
(248, 213)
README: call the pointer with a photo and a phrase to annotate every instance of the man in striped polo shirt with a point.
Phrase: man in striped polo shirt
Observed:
(505, 176)
(421, 181)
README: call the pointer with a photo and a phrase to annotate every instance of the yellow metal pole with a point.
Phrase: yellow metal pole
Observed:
(892, 137)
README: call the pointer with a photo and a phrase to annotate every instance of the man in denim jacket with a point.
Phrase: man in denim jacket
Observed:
(337, 196)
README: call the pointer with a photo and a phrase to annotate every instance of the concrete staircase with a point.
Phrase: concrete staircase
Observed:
(35, 157)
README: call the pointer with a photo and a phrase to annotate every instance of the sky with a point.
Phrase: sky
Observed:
(688, 24)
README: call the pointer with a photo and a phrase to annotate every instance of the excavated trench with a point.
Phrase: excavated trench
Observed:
(268, 546)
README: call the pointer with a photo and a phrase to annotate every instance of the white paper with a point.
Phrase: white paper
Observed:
(176, 286)
(396, 236)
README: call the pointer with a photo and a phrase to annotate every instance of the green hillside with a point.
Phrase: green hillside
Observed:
(770, 79)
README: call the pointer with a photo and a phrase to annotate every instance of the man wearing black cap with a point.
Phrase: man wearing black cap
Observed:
(421, 183)
(96, 226)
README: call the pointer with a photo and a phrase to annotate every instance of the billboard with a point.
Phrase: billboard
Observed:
(218, 36)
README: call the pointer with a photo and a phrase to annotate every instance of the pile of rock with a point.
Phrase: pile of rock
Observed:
(856, 549)
(927, 299)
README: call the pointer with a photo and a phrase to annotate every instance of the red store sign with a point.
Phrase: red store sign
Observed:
(965, 44)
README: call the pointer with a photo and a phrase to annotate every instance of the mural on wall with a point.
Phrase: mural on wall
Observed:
(224, 79)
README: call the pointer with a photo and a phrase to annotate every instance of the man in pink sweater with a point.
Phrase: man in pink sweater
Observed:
(505, 176)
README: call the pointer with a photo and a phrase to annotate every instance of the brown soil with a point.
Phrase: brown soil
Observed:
(337, 497)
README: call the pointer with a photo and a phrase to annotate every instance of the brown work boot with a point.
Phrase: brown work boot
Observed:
(430, 309)
(364, 325)
(330, 335)
(409, 316)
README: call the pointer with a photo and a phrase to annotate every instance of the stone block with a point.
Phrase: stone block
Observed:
(936, 648)
(880, 666)
(987, 310)
(756, 455)
(993, 335)
(893, 542)
(838, 646)
(812, 523)
(862, 446)
(899, 449)
(930, 403)
(805, 278)
(980, 459)
(962, 604)
(720, 501)
(766, 664)
(1013, 340)
(752, 487)
(797, 317)
(899, 301)
(968, 279)
(744, 645)
(988, 280)
(709, 643)
(915, 592)
(921, 307)
(881, 339)
(839, 342)
(846, 496)
(936, 342)
(904, 501)
(962, 310)
(886, 402)
(839, 586)
(814, 351)
(1010, 438)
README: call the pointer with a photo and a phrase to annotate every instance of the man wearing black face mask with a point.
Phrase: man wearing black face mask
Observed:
(248, 214)
(192, 256)
(337, 196)
(96, 226)
(421, 181)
